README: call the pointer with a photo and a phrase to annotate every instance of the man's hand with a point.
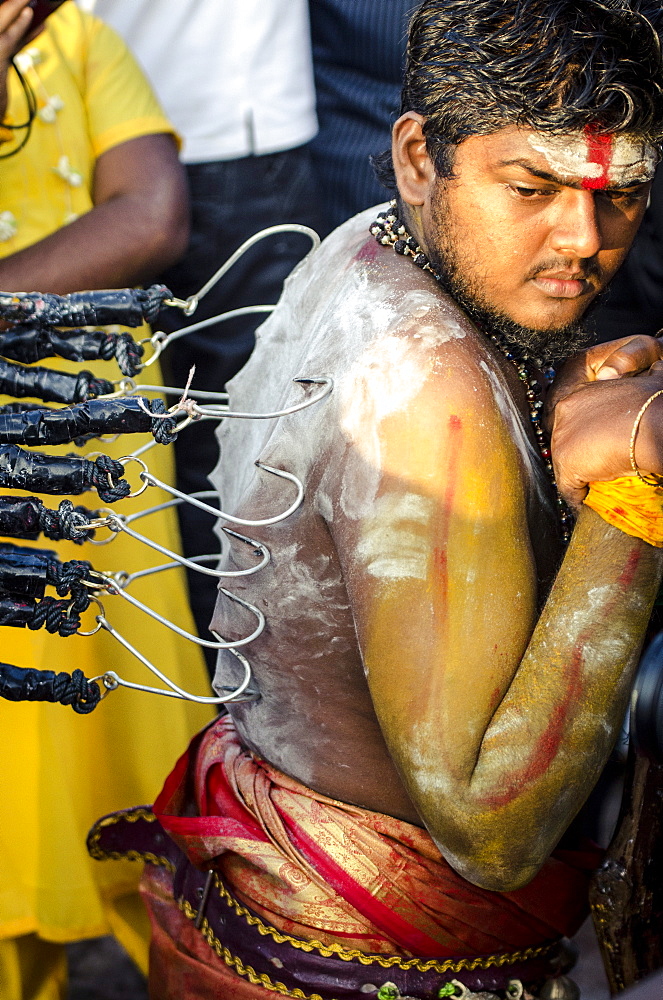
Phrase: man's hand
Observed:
(592, 431)
(590, 412)
(15, 18)
(604, 362)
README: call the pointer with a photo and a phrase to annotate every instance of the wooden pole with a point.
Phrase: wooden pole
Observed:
(626, 894)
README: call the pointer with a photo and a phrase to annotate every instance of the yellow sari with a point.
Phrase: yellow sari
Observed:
(61, 771)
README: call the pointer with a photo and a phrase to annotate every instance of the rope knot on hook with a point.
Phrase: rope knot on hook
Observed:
(152, 301)
(164, 423)
(163, 427)
(126, 351)
(88, 387)
(105, 474)
(66, 577)
(66, 522)
(54, 616)
(76, 690)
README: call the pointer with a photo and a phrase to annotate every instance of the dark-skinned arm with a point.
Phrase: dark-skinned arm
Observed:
(138, 226)
(499, 717)
(15, 18)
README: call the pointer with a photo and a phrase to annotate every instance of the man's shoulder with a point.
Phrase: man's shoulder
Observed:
(358, 313)
(352, 293)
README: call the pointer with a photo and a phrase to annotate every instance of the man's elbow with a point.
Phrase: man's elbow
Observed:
(502, 876)
(501, 864)
(141, 188)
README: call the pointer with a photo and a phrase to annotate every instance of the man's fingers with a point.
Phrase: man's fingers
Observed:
(570, 490)
(636, 355)
(10, 10)
(15, 18)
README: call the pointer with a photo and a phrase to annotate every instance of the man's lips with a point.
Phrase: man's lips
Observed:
(560, 285)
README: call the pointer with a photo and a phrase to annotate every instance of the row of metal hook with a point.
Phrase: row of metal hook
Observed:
(116, 583)
(192, 407)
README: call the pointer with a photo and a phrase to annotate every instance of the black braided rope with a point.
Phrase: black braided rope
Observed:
(66, 522)
(105, 475)
(162, 428)
(107, 346)
(18, 684)
(89, 387)
(76, 690)
(151, 301)
(127, 353)
(55, 616)
(66, 577)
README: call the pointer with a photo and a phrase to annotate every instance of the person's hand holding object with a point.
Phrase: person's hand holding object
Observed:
(591, 410)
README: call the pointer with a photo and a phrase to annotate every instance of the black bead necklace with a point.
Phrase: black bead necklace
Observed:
(388, 230)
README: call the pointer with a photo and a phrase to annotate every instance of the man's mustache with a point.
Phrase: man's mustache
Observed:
(579, 271)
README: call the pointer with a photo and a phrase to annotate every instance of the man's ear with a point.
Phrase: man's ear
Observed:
(415, 172)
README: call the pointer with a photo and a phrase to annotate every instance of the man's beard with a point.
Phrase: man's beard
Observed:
(543, 347)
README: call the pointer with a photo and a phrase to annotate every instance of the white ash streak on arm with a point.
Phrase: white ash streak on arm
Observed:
(394, 544)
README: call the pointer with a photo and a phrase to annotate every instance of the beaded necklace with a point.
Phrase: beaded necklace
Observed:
(388, 230)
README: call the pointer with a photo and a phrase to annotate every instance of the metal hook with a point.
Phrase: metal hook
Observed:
(166, 339)
(126, 387)
(110, 517)
(221, 515)
(118, 524)
(158, 341)
(111, 587)
(178, 427)
(137, 515)
(124, 579)
(218, 413)
(324, 380)
(112, 681)
(191, 304)
(171, 390)
(124, 461)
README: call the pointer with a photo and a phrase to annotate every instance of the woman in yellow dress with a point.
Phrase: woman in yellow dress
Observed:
(97, 124)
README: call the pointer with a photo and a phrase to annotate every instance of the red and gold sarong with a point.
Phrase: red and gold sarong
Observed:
(314, 869)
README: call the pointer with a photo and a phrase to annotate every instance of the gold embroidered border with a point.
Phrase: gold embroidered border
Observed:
(132, 816)
(327, 951)
(385, 961)
(235, 963)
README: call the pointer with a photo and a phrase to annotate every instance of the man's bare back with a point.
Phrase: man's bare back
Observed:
(315, 719)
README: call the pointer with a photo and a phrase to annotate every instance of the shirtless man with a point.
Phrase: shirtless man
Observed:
(440, 680)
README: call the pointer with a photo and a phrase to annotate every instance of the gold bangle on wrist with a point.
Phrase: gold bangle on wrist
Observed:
(650, 480)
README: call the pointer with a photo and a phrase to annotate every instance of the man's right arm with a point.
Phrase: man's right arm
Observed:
(498, 718)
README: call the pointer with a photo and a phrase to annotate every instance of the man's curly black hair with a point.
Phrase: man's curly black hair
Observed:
(475, 66)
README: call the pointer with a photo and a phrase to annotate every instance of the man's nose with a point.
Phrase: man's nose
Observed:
(576, 229)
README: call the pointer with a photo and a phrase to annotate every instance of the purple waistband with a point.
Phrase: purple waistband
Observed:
(297, 963)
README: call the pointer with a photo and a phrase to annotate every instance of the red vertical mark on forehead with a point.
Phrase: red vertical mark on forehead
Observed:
(599, 150)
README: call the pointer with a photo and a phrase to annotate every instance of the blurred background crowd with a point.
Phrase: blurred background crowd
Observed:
(165, 134)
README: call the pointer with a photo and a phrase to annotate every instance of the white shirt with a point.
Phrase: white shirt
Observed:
(234, 76)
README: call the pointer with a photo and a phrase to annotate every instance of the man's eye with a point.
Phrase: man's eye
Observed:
(529, 192)
(624, 197)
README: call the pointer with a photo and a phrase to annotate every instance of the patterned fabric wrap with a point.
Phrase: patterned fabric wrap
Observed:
(631, 505)
(322, 870)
